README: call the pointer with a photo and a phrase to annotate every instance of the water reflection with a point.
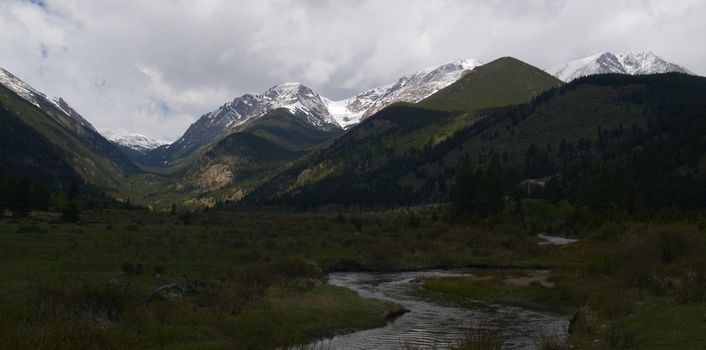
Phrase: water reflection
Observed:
(433, 321)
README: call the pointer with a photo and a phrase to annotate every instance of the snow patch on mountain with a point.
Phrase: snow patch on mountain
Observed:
(137, 142)
(410, 88)
(634, 63)
(342, 113)
(20, 87)
(301, 101)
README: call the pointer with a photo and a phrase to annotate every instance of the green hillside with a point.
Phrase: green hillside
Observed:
(243, 160)
(502, 82)
(371, 157)
(600, 124)
(28, 154)
(96, 160)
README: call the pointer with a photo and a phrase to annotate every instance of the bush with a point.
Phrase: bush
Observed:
(610, 231)
(357, 224)
(132, 269)
(414, 220)
(160, 270)
(670, 245)
(692, 284)
(613, 301)
(626, 338)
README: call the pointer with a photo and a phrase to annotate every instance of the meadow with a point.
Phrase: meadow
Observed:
(257, 280)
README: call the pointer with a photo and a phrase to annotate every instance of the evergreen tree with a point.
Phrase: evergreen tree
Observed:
(3, 193)
(70, 211)
(479, 192)
(20, 198)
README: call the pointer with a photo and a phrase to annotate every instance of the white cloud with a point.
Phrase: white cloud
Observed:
(153, 67)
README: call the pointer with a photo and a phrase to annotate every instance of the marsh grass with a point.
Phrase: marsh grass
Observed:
(550, 339)
(479, 336)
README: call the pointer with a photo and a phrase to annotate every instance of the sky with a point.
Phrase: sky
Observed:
(154, 67)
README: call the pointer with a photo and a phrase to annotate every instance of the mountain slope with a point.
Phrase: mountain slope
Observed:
(370, 164)
(596, 131)
(40, 100)
(299, 100)
(634, 63)
(410, 88)
(304, 103)
(609, 141)
(245, 158)
(501, 82)
(27, 154)
(96, 160)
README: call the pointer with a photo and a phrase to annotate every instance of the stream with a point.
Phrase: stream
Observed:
(433, 321)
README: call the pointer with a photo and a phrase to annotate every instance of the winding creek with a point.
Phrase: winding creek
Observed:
(432, 321)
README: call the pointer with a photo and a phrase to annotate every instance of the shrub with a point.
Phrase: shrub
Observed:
(414, 220)
(626, 338)
(670, 245)
(610, 231)
(160, 270)
(692, 284)
(357, 224)
(613, 301)
(132, 269)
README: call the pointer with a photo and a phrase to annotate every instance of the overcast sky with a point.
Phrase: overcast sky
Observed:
(154, 67)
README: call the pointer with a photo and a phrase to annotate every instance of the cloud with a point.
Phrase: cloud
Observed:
(155, 66)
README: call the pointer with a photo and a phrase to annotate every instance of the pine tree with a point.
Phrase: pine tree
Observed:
(479, 192)
(20, 198)
(69, 211)
(3, 193)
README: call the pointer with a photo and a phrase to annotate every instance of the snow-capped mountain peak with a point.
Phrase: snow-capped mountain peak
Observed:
(635, 62)
(410, 88)
(137, 142)
(297, 98)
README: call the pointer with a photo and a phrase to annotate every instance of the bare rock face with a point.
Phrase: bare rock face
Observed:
(211, 174)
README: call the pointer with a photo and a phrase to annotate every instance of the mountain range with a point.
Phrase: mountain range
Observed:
(291, 146)
(348, 112)
(410, 88)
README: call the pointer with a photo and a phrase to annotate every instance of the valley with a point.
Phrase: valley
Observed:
(410, 216)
